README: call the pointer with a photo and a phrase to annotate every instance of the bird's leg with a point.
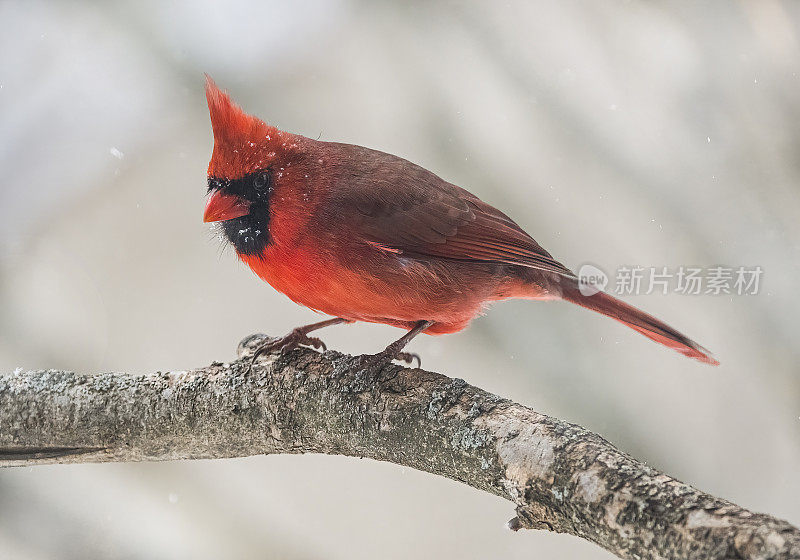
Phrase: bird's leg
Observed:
(297, 337)
(395, 350)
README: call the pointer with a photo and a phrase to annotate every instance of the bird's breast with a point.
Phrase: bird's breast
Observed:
(318, 282)
(378, 287)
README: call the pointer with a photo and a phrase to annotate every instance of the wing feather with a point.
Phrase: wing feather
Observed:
(405, 208)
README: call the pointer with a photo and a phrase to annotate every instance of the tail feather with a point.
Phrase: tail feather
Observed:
(640, 321)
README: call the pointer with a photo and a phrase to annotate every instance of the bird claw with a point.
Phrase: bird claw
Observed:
(408, 358)
(377, 362)
(316, 343)
(293, 340)
(303, 340)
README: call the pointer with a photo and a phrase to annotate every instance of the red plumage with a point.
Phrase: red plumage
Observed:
(367, 236)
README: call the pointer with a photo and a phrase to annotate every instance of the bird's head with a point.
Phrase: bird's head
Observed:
(247, 159)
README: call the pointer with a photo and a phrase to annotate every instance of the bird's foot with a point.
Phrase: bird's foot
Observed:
(376, 362)
(298, 337)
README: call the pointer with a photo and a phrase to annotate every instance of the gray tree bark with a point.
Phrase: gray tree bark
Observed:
(560, 477)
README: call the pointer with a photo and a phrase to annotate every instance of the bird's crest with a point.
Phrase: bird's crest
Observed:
(242, 142)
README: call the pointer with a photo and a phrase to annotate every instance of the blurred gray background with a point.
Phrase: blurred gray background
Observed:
(617, 133)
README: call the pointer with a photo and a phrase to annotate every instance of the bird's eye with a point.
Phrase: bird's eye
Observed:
(261, 180)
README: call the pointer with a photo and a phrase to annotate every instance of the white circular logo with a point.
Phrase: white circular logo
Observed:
(591, 279)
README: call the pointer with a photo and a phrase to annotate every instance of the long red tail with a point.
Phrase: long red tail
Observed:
(640, 321)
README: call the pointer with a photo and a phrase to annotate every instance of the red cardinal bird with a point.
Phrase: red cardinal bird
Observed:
(367, 236)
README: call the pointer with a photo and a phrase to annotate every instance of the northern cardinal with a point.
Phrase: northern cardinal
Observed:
(367, 236)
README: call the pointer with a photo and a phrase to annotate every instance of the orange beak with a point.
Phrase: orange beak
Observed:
(221, 207)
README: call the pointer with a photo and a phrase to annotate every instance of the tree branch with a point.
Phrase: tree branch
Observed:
(560, 476)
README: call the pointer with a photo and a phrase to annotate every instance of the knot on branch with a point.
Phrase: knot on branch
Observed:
(537, 517)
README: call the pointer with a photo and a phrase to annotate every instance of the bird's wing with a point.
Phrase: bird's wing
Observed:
(404, 208)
